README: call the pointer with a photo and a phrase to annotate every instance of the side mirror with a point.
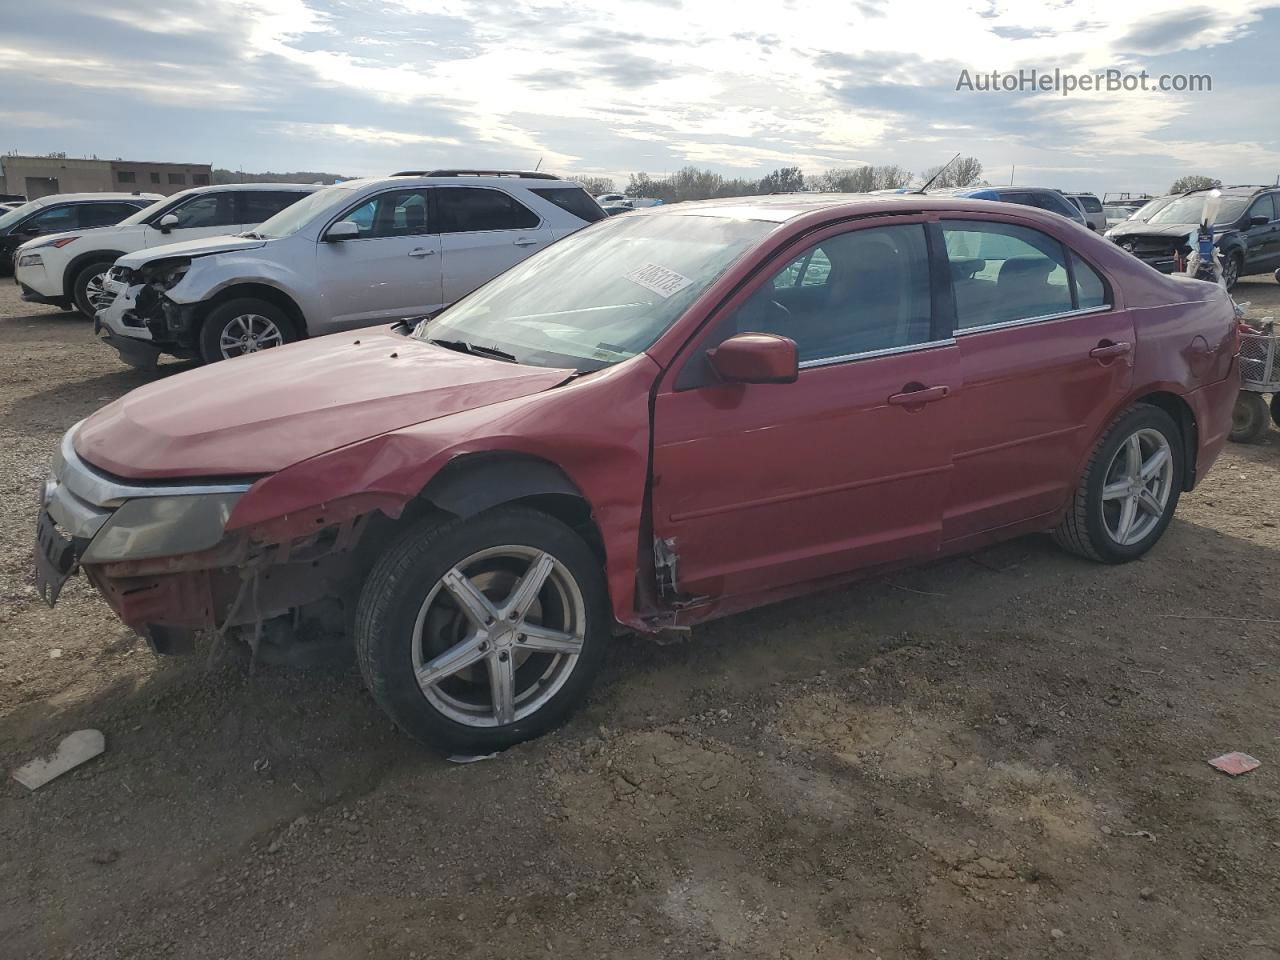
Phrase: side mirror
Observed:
(343, 230)
(756, 358)
(168, 222)
(1258, 221)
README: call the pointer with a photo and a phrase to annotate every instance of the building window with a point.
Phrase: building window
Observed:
(155, 178)
(126, 176)
(178, 178)
(200, 179)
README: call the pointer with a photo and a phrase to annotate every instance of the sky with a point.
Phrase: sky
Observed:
(609, 87)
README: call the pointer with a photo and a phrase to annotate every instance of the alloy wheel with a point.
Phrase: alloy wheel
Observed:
(498, 636)
(96, 293)
(248, 333)
(1230, 272)
(1138, 483)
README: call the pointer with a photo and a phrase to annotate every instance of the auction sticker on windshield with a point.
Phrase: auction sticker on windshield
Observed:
(660, 280)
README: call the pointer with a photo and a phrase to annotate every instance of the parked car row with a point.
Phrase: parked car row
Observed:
(1246, 232)
(61, 212)
(660, 419)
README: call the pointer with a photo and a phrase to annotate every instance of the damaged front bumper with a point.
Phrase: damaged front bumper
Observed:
(161, 556)
(141, 323)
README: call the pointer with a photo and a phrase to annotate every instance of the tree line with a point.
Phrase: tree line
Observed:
(692, 183)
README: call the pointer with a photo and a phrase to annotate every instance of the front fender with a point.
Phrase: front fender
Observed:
(209, 276)
(594, 430)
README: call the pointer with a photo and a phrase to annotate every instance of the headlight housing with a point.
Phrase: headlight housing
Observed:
(30, 260)
(147, 527)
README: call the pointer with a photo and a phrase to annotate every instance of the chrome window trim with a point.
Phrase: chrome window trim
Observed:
(91, 487)
(965, 331)
(870, 354)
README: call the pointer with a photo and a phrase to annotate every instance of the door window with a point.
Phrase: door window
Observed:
(397, 213)
(470, 209)
(53, 220)
(206, 210)
(1003, 273)
(855, 293)
(104, 214)
(1263, 207)
(258, 206)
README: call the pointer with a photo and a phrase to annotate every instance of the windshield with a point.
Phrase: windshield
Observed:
(1190, 209)
(16, 214)
(295, 216)
(1117, 213)
(599, 296)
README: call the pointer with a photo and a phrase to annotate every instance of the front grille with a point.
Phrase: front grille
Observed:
(1153, 247)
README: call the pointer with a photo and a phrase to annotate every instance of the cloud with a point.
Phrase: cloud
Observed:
(616, 85)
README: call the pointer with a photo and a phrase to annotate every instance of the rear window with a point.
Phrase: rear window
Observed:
(1092, 204)
(573, 200)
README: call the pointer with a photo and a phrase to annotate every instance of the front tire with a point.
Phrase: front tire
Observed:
(244, 325)
(1249, 417)
(86, 289)
(1129, 491)
(1231, 268)
(478, 633)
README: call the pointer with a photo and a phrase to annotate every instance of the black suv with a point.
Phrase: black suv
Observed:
(1247, 232)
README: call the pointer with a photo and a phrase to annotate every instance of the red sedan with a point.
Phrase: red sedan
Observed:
(667, 417)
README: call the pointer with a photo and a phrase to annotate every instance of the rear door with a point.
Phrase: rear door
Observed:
(760, 486)
(1044, 358)
(389, 272)
(483, 231)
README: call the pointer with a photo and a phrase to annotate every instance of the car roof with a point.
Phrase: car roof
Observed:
(1239, 189)
(301, 187)
(462, 179)
(780, 208)
(74, 197)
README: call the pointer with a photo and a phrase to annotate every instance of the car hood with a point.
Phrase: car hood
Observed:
(263, 412)
(48, 238)
(1129, 228)
(189, 248)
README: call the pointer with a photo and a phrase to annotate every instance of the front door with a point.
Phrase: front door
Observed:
(1044, 358)
(389, 272)
(484, 231)
(202, 215)
(1263, 239)
(757, 487)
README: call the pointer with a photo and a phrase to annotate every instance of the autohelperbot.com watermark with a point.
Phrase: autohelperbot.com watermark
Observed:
(1032, 80)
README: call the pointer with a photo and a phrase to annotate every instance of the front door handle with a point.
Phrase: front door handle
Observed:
(1107, 350)
(525, 242)
(914, 394)
(422, 252)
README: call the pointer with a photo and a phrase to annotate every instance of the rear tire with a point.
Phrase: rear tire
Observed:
(1129, 490)
(87, 286)
(244, 325)
(437, 665)
(1275, 409)
(1249, 417)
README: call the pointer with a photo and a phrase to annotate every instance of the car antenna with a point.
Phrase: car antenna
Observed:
(941, 169)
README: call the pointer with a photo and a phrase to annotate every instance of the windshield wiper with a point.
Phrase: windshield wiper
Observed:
(475, 349)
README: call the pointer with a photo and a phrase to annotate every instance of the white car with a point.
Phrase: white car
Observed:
(355, 254)
(66, 269)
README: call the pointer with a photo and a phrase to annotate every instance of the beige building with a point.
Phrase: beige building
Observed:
(33, 177)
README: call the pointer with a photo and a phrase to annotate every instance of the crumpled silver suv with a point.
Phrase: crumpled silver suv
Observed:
(355, 254)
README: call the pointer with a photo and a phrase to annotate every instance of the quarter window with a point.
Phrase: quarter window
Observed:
(855, 293)
(469, 209)
(397, 213)
(1091, 291)
(1003, 273)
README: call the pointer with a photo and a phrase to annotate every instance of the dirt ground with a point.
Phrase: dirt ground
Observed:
(1000, 756)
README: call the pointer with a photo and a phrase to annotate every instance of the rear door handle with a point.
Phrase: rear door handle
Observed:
(422, 252)
(1107, 350)
(921, 395)
(526, 242)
